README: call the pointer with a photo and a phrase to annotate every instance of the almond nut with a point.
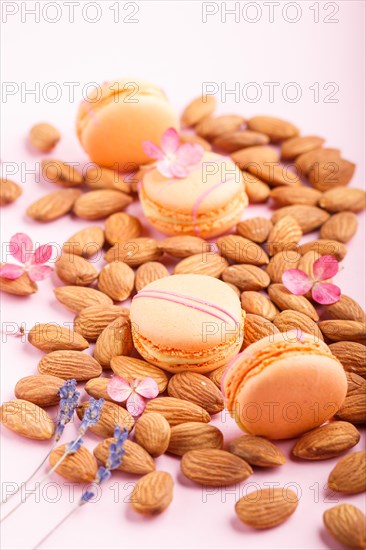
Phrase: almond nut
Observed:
(86, 242)
(40, 389)
(148, 273)
(255, 229)
(135, 460)
(80, 466)
(347, 524)
(9, 191)
(121, 227)
(257, 451)
(100, 204)
(194, 435)
(266, 508)
(70, 364)
(134, 252)
(27, 419)
(276, 128)
(75, 270)
(92, 320)
(115, 339)
(241, 250)
(196, 388)
(177, 411)
(349, 474)
(61, 173)
(309, 218)
(52, 337)
(296, 146)
(246, 277)
(54, 205)
(198, 109)
(258, 304)
(215, 468)
(44, 136)
(77, 298)
(116, 280)
(152, 432)
(111, 415)
(202, 264)
(328, 441)
(131, 368)
(341, 227)
(152, 493)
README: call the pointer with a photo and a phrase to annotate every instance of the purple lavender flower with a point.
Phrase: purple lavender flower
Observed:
(91, 415)
(115, 453)
(68, 403)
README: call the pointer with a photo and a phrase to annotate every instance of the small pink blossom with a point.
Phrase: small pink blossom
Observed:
(135, 393)
(173, 159)
(21, 248)
(299, 283)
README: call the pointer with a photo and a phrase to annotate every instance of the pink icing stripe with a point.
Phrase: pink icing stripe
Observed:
(201, 198)
(171, 298)
(193, 299)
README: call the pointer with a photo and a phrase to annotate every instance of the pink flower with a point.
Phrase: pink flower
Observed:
(298, 282)
(134, 394)
(21, 248)
(173, 159)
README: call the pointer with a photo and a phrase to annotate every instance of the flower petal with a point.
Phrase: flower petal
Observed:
(170, 141)
(21, 247)
(42, 254)
(147, 388)
(164, 167)
(119, 389)
(135, 404)
(189, 154)
(39, 272)
(178, 170)
(11, 271)
(325, 268)
(152, 150)
(326, 293)
(297, 281)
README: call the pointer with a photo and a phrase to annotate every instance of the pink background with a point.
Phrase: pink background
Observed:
(171, 46)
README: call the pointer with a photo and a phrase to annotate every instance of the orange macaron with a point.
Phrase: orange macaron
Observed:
(284, 385)
(187, 323)
(206, 202)
(118, 116)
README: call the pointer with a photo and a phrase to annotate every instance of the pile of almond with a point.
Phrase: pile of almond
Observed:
(308, 195)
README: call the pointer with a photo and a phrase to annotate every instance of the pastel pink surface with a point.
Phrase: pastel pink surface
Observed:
(325, 52)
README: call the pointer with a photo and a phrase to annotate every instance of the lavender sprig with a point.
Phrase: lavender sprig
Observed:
(115, 453)
(90, 418)
(68, 404)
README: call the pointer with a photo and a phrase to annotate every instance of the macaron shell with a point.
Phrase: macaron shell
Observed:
(175, 222)
(208, 202)
(113, 129)
(291, 396)
(181, 326)
(216, 180)
(293, 337)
